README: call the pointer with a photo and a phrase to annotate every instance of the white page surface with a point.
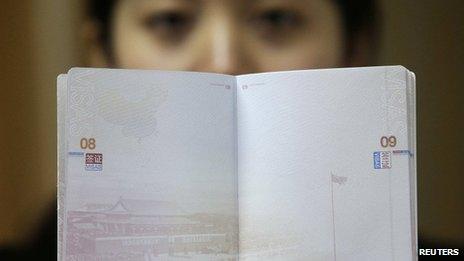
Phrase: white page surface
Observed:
(151, 166)
(61, 91)
(308, 186)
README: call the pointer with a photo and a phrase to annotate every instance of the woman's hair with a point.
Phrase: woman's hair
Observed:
(101, 12)
(360, 19)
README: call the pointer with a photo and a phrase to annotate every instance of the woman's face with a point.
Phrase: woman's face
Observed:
(227, 36)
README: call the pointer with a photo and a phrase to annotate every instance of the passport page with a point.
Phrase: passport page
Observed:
(61, 91)
(150, 166)
(326, 165)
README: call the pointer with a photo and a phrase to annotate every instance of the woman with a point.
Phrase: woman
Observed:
(223, 36)
(231, 36)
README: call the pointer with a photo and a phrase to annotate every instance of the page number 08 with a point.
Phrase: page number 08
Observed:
(388, 141)
(88, 143)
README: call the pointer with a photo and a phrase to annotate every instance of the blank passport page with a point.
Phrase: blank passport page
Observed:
(324, 165)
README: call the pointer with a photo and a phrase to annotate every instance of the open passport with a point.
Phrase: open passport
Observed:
(297, 165)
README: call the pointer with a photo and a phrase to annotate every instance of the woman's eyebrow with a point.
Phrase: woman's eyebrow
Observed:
(142, 6)
(273, 1)
(299, 3)
(162, 2)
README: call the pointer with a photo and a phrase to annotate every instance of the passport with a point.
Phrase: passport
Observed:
(295, 165)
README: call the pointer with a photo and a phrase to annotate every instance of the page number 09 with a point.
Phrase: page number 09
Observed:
(88, 143)
(388, 141)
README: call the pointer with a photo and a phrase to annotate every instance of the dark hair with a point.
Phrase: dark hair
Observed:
(101, 12)
(360, 18)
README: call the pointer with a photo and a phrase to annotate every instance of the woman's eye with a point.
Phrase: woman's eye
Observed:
(169, 24)
(277, 20)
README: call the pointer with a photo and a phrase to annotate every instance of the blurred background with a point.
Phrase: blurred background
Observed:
(41, 39)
